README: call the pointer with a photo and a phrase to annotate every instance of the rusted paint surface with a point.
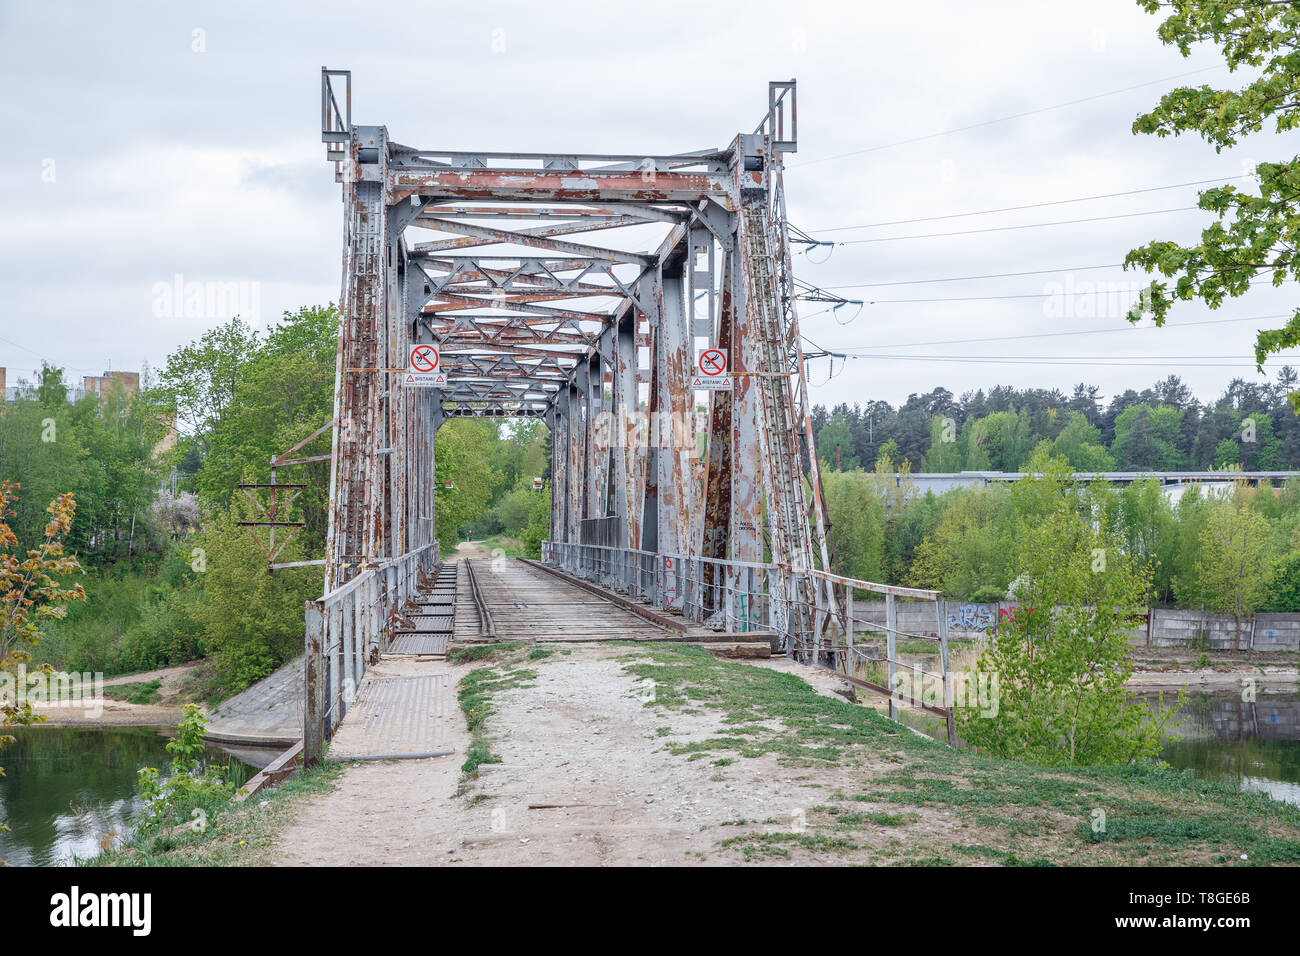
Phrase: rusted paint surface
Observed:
(596, 338)
(579, 186)
(718, 480)
(746, 436)
(627, 407)
(677, 440)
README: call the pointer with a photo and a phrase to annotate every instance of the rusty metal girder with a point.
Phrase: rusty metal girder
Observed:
(471, 251)
(557, 185)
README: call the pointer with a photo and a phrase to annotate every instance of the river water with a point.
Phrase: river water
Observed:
(67, 792)
(1255, 746)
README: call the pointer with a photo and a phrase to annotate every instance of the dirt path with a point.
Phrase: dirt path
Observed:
(473, 549)
(584, 779)
(171, 677)
(121, 713)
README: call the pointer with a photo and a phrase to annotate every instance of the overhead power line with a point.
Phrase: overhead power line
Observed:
(1028, 225)
(1032, 205)
(847, 350)
(1146, 361)
(1025, 295)
(1001, 119)
(996, 275)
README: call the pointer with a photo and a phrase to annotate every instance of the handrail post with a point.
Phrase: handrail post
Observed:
(891, 626)
(848, 629)
(313, 723)
(942, 608)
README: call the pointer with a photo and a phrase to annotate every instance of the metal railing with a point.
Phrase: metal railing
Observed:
(829, 630)
(347, 629)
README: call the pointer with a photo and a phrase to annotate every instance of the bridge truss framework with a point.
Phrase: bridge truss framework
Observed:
(578, 289)
(581, 289)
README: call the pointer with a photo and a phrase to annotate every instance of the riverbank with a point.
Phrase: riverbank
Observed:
(153, 698)
(1163, 667)
(729, 763)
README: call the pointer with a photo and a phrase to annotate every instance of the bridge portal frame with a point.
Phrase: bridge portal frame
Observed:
(598, 340)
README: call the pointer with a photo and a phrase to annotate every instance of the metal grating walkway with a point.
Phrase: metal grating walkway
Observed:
(397, 717)
(411, 642)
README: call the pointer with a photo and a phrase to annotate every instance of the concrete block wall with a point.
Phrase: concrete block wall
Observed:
(1277, 632)
(1168, 627)
(1174, 628)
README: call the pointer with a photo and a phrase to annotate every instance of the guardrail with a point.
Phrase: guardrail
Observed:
(346, 630)
(744, 596)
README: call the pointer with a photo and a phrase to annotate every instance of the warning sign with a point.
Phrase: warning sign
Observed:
(711, 372)
(423, 368)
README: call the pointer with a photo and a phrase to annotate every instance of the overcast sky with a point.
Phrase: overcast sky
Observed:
(147, 141)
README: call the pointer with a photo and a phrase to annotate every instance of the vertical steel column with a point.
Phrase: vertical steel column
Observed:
(555, 421)
(747, 437)
(718, 465)
(624, 429)
(597, 445)
(313, 728)
(358, 492)
(577, 470)
(676, 435)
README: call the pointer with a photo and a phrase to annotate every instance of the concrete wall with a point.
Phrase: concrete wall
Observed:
(1277, 632)
(1168, 628)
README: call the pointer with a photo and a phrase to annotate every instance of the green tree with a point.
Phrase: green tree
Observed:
(1284, 586)
(858, 525)
(837, 434)
(1251, 235)
(41, 451)
(966, 551)
(1147, 523)
(1080, 443)
(262, 398)
(201, 382)
(461, 458)
(1147, 438)
(30, 593)
(1233, 566)
(1005, 438)
(252, 620)
(945, 454)
(538, 528)
(1061, 659)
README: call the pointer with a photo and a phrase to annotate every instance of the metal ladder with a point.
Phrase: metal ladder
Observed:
(787, 514)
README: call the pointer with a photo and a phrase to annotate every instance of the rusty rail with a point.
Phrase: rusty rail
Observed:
(486, 625)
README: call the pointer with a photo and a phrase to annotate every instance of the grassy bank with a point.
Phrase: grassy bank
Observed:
(237, 834)
(943, 806)
(475, 692)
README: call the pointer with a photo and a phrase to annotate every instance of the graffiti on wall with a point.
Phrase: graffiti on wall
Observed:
(971, 617)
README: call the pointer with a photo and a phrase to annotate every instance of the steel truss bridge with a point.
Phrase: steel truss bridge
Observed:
(582, 290)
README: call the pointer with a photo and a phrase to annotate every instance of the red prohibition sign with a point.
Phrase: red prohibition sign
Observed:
(712, 362)
(424, 358)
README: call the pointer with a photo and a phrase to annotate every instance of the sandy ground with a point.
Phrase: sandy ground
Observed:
(473, 549)
(584, 780)
(1280, 678)
(121, 713)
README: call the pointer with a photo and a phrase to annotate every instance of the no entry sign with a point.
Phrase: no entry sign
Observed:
(711, 372)
(423, 368)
